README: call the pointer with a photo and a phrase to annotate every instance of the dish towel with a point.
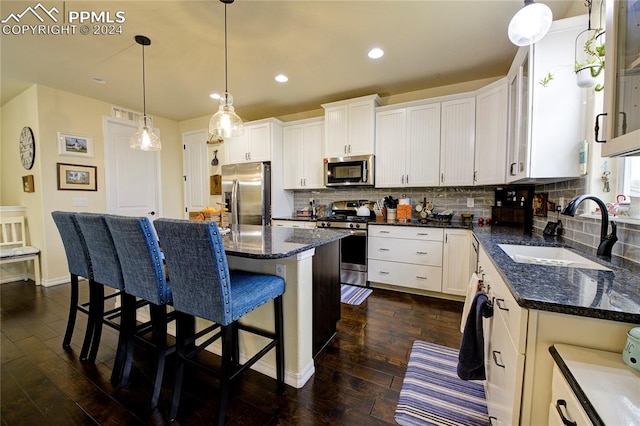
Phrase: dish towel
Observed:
(472, 288)
(471, 356)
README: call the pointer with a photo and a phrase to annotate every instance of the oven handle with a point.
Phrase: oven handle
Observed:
(358, 232)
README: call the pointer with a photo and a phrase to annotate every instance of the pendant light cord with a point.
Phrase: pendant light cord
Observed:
(144, 91)
(226, 71)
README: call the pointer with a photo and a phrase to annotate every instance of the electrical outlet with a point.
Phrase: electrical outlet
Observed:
(281, 270)
(470, 202)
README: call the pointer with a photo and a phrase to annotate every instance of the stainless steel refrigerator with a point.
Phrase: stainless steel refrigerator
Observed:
(247, 193)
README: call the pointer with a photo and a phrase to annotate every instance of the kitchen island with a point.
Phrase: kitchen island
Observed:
(293, 253)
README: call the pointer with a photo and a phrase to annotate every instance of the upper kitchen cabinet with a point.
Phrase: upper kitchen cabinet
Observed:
(546, 116)
(408, 146)
(350, 127)
(303, 141)
(256, 144)
(622, 79)
(457, 142)
(491, 134)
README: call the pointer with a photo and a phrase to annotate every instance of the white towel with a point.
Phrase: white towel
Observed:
(472, 288)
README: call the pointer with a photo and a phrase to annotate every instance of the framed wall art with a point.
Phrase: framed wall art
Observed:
(74, 145)
(540, 204)
(75, 177)
(27, 184)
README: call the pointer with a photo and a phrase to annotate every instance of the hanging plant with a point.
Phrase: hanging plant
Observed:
(592, 64)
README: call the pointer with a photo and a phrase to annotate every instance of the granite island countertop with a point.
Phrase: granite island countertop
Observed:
(612, 295)
(266, 242)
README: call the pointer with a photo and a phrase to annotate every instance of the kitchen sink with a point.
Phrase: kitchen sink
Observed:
(549, 256)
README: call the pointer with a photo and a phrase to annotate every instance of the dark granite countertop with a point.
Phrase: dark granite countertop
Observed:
(611, 295)
(265, 242)
(429, 224)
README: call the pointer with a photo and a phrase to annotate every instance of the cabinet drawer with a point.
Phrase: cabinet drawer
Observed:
(504, 304)
(405, 275)
(293, 223)
(504, 367)
(406, 251)
(407, 232)
(563, 398)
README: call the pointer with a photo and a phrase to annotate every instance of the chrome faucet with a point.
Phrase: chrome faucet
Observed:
(606, 241)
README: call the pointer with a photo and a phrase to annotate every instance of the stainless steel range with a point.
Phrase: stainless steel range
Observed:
(353, 249)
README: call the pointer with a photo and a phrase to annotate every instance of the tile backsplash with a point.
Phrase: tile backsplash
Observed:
(442, 198)
(583, 230)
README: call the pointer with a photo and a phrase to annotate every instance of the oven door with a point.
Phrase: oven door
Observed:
(353, 259)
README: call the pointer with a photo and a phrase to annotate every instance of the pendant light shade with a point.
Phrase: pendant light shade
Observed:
(225, 123)
(145, 138)
(530, 24)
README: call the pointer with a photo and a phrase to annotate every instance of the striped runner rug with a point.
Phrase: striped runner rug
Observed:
(353, 295)
(433, 394)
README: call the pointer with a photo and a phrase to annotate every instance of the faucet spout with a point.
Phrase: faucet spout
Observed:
(606, 241)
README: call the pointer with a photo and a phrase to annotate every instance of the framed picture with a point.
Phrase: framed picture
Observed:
(27, 183)
(540, 204)
(74, 177)
(74, 145)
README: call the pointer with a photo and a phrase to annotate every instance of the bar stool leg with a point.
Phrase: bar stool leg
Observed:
(159, 321)
(279, 325)
(228, 369)
(94, 308)
(185, 328)
(97, 325)
(73, 312)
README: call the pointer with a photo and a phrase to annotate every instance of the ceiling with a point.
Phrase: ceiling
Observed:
(320, 45)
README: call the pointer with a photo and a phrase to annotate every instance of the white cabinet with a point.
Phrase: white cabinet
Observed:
(457, 142)
(546, 122)
(505, 347)
(408, 146)
(350, 126)
(256, 144)
(405, 256)
(195, 166)
(491, 134)
(622, 79)
(307, 224)
(302, 154)
(456, 268)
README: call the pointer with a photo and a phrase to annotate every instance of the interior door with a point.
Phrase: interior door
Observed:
(195, 164)
(132, 176)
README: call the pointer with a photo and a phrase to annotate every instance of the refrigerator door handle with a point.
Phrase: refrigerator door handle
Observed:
(234, 202)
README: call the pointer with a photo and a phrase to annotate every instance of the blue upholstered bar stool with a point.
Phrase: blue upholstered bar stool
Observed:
(79, 265)
(106, 271)
(144, 277)
(203, 286)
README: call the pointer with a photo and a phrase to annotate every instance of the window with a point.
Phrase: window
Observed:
(631, 177)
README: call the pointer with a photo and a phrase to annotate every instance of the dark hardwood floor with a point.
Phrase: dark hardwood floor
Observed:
(357, 381)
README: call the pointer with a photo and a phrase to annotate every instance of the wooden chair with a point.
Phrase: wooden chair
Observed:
(13, 245)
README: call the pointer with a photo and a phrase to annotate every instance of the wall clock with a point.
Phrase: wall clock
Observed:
(27, 148)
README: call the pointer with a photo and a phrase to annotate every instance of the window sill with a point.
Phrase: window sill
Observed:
(618, 219)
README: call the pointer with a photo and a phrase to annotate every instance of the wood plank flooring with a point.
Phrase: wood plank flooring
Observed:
(357, 381)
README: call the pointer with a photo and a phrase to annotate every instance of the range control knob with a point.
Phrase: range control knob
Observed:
(351, 225)
(357, 225)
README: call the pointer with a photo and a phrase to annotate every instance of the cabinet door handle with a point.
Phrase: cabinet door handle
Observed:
(407, 179)
(422, 233)
(383, 272)
(511, 166)
(475, 175)
(565, 421)
(597, 128)
(495, 355)
(500, 303)
(349, 148)
(421, 278)
(345, 149)
(441, 177)
(385, 232)
(402, 179)
(383, 249)
(491, 419)
(422, 252)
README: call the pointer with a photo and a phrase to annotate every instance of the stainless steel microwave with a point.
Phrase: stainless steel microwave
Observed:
(356, 170)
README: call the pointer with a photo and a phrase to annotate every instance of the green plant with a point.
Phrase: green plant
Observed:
(594, 59)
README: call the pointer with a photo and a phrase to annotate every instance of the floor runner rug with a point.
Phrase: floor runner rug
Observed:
(353, 295)
(433, 394)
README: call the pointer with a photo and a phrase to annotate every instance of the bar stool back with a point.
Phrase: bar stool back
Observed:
(203, 286)
(144, 277)
(79, 265)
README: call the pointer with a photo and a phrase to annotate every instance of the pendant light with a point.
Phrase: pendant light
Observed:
(144, 138)
(530, 24)
(225, 123)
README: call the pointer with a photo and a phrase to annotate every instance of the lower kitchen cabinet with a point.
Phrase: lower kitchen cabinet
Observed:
(293, 223)
(405, 256)
(456, 261)
(565, 403)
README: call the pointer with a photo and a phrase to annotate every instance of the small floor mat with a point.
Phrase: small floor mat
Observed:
(353, 295)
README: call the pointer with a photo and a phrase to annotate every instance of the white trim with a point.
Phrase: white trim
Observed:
(618, 219)
(306, 254)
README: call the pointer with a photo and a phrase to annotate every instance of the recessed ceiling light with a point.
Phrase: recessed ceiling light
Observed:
(215, 96)
(98, 80)
(281, 78)
(376, 53)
